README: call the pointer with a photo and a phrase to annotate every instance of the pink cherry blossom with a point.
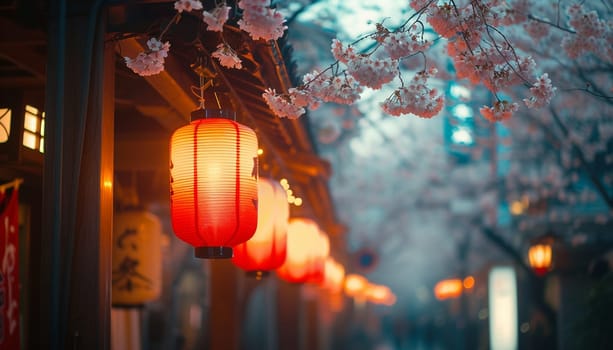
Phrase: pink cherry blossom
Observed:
(260, 21)
(501, 110)
(216, 18)
(151, 62)
(282, 105)
(542, 92)
(327, 88)
(416, 98)
(403, 43)
(187, 5)
(227, 57)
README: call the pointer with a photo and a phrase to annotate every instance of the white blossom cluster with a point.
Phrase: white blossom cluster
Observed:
(542, 91)
(328, 88)
(216, 18)
(283, 106)
(366, 70)
(417, 98)
(592, 33)
(151, 62)
(260, 21)
(227, 57)
(501, 110)
(402, 43)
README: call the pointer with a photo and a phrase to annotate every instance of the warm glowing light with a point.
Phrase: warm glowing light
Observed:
(446, 289)
(355, 285)
(5, 124)
(289, 193)
(267, 249)
(379, 294)
(107, 184)
(539, 256)
(260, 151)
(334, 275)
(468, 282)
(303, 241)
(516, 208)
(298, 201)
(284, 184)
(213, 180)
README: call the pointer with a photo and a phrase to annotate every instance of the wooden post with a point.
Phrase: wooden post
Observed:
(288, 316)
(78, 180)
(224, 329)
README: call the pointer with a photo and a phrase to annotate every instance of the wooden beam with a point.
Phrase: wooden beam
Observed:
(173, 84)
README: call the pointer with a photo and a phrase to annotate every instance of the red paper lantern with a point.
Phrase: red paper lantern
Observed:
(334, 276)
(448, 289)
(267, 249)
(213, 185)
(317, 260)
(303, 239)
(539, 256)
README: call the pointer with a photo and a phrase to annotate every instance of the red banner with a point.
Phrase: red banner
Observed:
(9, 270)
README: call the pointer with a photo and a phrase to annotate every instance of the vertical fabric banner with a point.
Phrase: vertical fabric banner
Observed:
(9, 270)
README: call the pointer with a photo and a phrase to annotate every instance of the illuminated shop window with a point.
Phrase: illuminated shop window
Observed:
(34, 129)
(5, 124)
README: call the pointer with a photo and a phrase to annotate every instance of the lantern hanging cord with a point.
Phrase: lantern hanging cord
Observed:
(200, 69)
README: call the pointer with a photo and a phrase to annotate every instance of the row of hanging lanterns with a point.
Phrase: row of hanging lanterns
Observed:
(358, 287)
(221, 208)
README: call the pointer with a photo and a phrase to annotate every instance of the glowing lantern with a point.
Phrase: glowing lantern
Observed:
(267, 249)
(355, 285)
(303, 239)
(539, 256)
(317, 260)
(446, 289)
(334, 275)
(213, 185)
(378, 294)
(137, 258)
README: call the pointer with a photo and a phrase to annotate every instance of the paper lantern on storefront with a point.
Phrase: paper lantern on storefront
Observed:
(379, 294)
(213, 185)
(137, 258)
(267, 249)
(539, 256)
(447, 289)
(317, 260)
(355, 285)
(334, 276)
(303, 239)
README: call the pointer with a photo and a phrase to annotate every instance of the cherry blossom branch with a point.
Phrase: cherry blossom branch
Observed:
(552, 24)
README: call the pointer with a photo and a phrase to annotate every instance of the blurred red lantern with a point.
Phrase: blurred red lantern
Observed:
(267, 249)
(213, 185)
(379, 294)
(334, 276)
(539, 256)
(303, 240)
(446, 289)
(317, 259)
(355, 285)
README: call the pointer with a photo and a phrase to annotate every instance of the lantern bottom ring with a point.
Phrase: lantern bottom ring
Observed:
(213, 252)
(257, 274)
